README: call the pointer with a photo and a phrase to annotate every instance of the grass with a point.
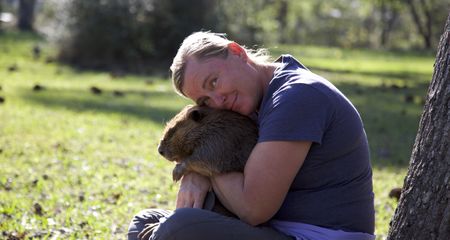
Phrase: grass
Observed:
(76, 165)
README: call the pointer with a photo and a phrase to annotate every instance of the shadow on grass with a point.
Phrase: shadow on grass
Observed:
(139, 104)
(19, 36)
(391, 118)
(406, 76)
(390, 115)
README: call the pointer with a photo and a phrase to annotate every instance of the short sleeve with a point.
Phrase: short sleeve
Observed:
(296, 112)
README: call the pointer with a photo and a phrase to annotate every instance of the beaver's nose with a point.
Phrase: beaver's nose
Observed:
(160, 150)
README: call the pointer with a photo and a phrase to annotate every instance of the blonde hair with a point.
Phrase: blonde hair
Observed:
(203, 45)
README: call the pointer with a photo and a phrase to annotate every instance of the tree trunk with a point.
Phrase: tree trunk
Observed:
(1, 10)
(424, 207)
(282, 19)
(26, 15)
(423, 24)
(389, 15)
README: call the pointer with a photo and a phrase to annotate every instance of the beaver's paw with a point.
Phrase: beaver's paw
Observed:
(178, 172)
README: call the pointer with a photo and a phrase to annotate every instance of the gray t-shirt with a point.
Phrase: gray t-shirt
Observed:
(333, 189)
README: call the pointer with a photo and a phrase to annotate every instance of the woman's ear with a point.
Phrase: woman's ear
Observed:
(236, 49)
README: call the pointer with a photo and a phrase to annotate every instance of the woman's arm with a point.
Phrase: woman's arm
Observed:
(257, 194)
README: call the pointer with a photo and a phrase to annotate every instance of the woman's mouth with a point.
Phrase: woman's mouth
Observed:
(233, 103)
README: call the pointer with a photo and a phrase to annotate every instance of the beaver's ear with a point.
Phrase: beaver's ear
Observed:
(196, 115)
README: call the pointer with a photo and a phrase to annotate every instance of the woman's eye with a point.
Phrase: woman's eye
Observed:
(214, 83)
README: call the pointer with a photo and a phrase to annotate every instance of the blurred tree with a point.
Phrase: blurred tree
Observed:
(99, 33)
(282, 16)
(389, 14)
(338, 23)
(1, 11)
(129, 32)
(422, 18)
(26, 15)
(249, 22)
(173, 20)
(362, 23)
(134, 35)
(427, 14)
(424, 208)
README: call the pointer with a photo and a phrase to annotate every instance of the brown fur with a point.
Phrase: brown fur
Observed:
(208, 141)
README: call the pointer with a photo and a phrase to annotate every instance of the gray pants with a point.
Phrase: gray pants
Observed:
(198, 224)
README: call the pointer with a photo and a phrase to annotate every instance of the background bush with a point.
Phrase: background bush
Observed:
(128, 34)
(143, 35)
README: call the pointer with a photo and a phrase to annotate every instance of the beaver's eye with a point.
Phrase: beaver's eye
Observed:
(203, 101)
(206, 102)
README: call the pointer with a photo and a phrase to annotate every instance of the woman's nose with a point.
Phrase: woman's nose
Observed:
(218, 100)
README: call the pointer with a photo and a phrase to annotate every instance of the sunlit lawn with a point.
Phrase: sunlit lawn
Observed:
(77, 165)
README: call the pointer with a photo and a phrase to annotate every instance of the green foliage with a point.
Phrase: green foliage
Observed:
(78, 165)
(128, 34)
(100, 33)
(175, 19)
(249, 22)
(143, 35)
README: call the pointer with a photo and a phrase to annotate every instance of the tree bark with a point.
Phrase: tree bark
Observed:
(424, 207)
(26, 15)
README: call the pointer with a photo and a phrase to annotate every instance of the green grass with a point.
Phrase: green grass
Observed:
(90, 161)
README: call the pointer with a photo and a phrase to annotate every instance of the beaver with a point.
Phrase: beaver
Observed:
(208, 141)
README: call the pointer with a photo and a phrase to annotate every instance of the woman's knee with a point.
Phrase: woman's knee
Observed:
(144, 217)
(194, 223)
(186, 223)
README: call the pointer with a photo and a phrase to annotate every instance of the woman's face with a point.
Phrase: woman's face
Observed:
(231, 83)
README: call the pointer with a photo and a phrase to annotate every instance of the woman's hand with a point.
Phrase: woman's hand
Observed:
(193, 189)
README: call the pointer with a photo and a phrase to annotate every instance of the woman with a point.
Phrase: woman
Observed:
(308, 177)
